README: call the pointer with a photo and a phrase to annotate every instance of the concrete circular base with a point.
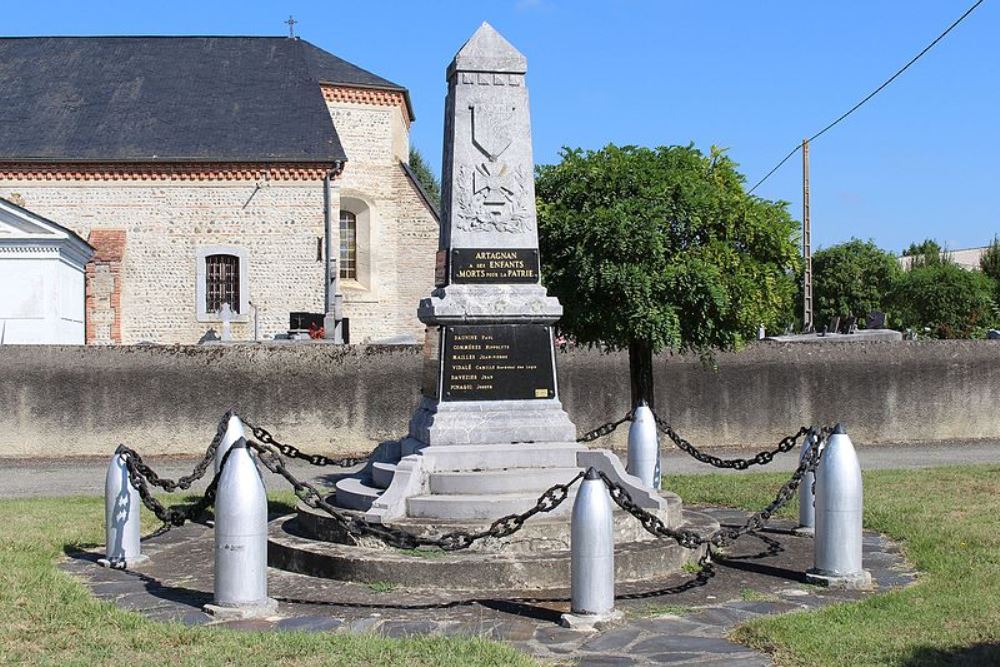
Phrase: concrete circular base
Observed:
(292, 549)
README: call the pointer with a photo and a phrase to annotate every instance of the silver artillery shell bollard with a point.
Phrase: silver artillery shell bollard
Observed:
(234, 431)
(592, 558)
(121, 517)
(807, 497)
(241, 540)
(839, 506)
(643, 447)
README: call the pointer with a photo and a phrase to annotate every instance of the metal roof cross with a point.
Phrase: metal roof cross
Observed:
(291, 25)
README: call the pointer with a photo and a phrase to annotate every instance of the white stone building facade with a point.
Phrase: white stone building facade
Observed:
(41, 280)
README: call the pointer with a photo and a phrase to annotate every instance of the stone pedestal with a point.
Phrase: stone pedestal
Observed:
(490, 434)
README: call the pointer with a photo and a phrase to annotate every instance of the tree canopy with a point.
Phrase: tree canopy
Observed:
(946, 299)
(425, 177)
(853, 278)
(662, 248)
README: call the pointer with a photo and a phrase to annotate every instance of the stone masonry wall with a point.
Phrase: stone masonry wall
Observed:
(165, 223)
(278, 221)
(402, 232)
(67, 401)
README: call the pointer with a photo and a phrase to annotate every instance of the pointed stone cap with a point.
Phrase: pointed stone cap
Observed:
(488, 51)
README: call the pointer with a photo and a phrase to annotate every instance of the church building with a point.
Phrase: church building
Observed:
(194, 168)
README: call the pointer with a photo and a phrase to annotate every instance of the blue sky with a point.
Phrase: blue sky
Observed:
(918, 160)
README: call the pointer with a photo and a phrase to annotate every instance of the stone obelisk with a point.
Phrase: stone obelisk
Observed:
(490, 404)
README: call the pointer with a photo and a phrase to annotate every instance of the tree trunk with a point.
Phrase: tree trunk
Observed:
(640, 365)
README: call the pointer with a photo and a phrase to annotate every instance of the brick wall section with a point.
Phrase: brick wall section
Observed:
(103, 287)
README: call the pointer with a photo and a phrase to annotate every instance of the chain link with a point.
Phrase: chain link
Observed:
(183, 483)
(787, 444)
(176, 515)
(357, 527)
(605, 429)
(294, 452)
(727, 535)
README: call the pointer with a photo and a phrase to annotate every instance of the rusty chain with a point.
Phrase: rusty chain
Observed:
(357, 527)
(294, 452)
(605, 429)
(727, 535)
(786, 444)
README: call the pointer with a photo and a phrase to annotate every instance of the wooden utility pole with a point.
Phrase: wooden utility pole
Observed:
(807, 276)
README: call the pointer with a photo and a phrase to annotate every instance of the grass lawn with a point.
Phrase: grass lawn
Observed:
(948, 520)
(46, 618)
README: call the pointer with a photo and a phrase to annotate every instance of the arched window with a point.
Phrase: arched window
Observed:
(348, 245)
(222, 282)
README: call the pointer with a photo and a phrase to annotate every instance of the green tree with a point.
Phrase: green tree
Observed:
(926, 253)
(990, 261)
(853, 278)
(662, 249)
(426, 178)
(946, 299)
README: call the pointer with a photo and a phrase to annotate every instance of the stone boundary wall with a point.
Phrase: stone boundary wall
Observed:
(71, 401)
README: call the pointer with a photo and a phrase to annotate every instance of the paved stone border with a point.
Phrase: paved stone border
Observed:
(683, 619)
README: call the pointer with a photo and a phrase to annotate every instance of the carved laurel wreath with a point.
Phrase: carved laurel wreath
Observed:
(474, 215)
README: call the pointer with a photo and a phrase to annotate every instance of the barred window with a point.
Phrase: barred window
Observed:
(348, 245)
(222, 282)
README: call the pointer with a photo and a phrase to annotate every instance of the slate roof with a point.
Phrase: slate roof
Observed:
(170, 99)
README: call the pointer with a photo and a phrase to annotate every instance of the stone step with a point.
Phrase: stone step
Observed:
(478, 506)
(501, 457)
(512, 480)
(354, 494)
(382, 473)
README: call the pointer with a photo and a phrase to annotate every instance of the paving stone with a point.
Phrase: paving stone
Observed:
(612, 640)
(674, 626)
(251, 624)
(397, 629)
(678, 644)
(602, 660)
(670, 658)
(311, 623)
(720, 616)
(746, 660)
(553, 635)
(363, 625)
(512, 631)
(179, 614)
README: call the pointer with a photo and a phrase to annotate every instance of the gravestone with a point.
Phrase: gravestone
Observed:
(490, 433)
(875, 320)
(226, 313)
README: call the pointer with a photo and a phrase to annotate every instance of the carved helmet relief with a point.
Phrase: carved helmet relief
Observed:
(491, 195)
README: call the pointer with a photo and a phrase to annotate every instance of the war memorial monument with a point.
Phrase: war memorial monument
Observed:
(490, 505)
(490, 434)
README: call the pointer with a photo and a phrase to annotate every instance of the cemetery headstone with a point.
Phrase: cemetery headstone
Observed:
(875, 320)
(226, 313)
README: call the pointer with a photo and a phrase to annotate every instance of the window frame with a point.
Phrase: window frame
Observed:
(350, 251)
(201, 283)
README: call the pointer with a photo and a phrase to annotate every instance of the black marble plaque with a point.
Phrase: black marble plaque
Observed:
(494, 266)
(497, 362)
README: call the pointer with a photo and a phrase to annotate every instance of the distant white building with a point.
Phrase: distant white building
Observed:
(42, 267)
(967, 258)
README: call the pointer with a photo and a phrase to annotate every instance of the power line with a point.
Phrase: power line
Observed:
(871, 94)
